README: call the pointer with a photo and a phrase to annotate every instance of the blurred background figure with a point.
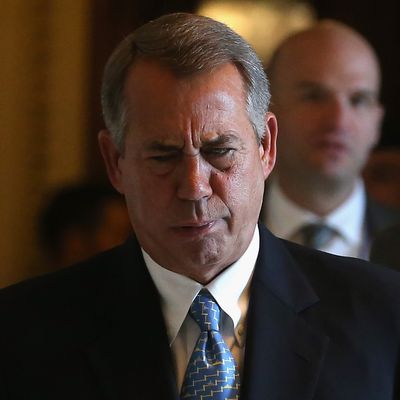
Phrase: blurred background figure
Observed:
(80, 221)
(385, 248)
(382, 176)
(325, 84)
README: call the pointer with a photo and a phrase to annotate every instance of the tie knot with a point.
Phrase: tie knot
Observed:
(316, 235)
(205, 311)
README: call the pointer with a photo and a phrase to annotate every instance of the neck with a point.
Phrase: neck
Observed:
(320, 198)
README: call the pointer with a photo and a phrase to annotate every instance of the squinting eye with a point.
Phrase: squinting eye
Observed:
(218, 151)
(162, 164)
(222, 158)
(164, 158)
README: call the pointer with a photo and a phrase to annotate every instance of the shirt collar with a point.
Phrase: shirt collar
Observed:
(178, 291)
(285, 217)
(348, 218)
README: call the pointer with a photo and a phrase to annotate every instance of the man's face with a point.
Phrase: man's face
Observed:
(192, 170)
(325, 99)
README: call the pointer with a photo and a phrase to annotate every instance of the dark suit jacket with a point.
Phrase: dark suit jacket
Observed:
(379, 217)
(319, 327)
(385, 248)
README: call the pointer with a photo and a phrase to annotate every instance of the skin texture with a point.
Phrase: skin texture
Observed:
(192, 171)
(325, 84)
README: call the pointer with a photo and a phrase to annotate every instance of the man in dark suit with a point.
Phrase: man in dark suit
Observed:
(325, 84)
(202, 301)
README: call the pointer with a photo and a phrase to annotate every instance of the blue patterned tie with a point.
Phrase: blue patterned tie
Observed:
(212, 372)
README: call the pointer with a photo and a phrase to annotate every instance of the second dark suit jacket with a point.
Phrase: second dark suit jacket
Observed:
(319, 327)
(378, 217)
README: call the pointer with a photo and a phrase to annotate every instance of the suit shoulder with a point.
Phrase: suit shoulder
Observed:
(74, 304)
(74, 283)
(346, 274)
(379, 216)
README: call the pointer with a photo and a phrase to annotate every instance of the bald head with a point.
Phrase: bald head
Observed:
(325, 84)
(321, 42)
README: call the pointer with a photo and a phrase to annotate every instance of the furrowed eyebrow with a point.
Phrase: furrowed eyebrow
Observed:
(221, 140)
(160, 147)
(224, 139)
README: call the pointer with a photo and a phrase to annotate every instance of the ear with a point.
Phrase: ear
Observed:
(111, 157)
(268, 144)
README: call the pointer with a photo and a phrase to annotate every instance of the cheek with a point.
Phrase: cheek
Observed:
(362, 148)
(141, 190)
(367, 133)
(243, 185)
(231, 190)
(136, 178)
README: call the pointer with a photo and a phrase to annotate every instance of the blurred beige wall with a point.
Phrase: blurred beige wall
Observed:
(43, 79)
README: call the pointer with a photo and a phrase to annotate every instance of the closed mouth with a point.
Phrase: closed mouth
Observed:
(194, 228)
(333, 145)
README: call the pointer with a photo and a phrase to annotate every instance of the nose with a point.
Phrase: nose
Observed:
(338, 113)
(193, 178)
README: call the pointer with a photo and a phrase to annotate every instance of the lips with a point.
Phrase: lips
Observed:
(195, 225)
(332, 145)
(197, 228)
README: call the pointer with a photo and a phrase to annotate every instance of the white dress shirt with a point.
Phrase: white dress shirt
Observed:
(231, 291)
(285, 218)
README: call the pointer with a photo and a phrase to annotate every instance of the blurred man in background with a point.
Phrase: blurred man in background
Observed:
(80, 221)
(325, 84)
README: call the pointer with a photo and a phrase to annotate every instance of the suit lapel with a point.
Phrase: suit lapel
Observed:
(284, 354)
(131, 357)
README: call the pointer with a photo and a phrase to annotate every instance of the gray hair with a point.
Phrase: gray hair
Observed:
(187, 44)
